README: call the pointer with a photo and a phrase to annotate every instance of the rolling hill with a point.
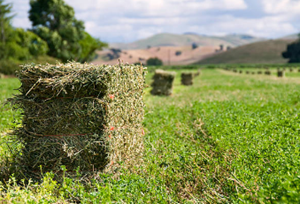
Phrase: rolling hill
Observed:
(168, 54)
(167, 39)
(259, 52)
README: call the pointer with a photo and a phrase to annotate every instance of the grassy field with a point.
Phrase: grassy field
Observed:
(229, 138)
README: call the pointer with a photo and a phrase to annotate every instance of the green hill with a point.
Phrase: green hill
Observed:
(167, 39)
(260, 52)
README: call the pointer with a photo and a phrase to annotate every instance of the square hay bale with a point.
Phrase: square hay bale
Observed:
(280, 73)
(268, 72)
(197, 73)
(80, 115)
(187, 78)
(162, 82)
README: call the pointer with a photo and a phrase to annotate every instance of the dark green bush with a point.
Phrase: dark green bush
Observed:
(8, 67)
(154, 62)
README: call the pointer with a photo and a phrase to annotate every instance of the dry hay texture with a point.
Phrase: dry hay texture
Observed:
(162, 83)
(80, 115)
(187, 78)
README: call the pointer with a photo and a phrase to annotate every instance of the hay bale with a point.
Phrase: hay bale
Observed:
(267, 72)
(280, 73)
(80, 115)
(240, 71)
(259, 72)
(162, 82)
(197, 73)
(253, 73)
(187, 78)
(247, 72)
(298, 70)
(291, 69)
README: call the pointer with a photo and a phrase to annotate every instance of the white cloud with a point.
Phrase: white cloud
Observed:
(119, 20)
(281, 6)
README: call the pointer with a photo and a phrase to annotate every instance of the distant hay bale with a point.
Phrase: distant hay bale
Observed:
(80, 115)
(291, 69)
(162, 83)
(247, 72)
(253, 73)
(280, 73)
(267, 72)
(298, 70)
(187, 78)
(197, 73)
(235, 71)
(259, 72)
(240, 71)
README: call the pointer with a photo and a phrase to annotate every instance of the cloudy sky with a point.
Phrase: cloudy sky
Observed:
(130, 20)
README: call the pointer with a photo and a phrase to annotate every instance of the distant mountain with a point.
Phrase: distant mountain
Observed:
(267, 52)
(167, 39)
(291, 37)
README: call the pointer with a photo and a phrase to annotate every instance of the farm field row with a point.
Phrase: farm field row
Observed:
(228, 138)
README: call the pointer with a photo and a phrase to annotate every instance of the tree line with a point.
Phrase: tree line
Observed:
(55, 32)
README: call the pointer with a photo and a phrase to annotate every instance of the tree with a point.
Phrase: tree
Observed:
(88, 47)
(293, 52)
(54, 21)
(177, 53)
(154, 62)
(5, 26)
(194, 46)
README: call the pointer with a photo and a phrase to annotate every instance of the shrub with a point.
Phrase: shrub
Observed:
(177, 53)
(8, 67)
(154, 62)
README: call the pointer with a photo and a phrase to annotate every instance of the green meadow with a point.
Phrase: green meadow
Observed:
(229, 138)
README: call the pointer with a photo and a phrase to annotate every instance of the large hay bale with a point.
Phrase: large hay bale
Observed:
(80, 115)
(187, 78)
(280, 73)
(162, 82)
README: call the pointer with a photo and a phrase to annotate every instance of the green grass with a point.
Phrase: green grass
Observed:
(228, 138)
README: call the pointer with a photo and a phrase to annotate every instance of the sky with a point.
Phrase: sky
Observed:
(130, 20)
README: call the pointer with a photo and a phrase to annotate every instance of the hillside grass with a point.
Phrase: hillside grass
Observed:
(229, 138)
(265, 52)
